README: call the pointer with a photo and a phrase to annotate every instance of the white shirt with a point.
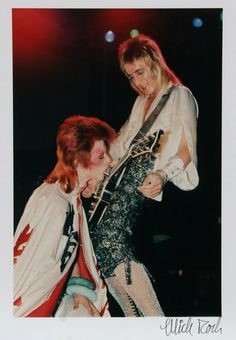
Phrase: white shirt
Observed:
(179, 113)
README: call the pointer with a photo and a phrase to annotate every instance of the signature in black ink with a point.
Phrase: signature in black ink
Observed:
(177, 326)
(205, 327)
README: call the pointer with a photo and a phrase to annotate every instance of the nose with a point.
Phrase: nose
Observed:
(136, 80)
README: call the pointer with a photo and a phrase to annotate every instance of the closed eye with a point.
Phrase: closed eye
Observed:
(140, 71)
(130, 78)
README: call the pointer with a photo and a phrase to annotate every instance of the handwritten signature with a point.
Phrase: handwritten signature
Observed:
(181, 326)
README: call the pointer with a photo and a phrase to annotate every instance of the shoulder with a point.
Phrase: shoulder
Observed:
(183, 100)
(138, 101)
(49, 197)
(181, 91)
(135, 112)
(46, 191)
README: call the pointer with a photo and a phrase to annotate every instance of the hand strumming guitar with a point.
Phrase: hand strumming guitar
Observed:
(152, 185)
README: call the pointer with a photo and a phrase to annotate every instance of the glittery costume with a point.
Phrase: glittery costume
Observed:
(126, 278)
(115, 252)
(112, 237)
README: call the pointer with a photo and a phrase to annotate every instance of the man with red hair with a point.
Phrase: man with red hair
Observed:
(53, 252)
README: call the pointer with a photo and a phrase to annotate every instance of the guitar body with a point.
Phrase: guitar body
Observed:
(115, 216)
(143, 149)
(102, 203)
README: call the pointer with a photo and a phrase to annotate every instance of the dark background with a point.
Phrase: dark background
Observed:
(63, 66)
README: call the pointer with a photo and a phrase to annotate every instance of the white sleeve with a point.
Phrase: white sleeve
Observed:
(185, 113)
(31, 213)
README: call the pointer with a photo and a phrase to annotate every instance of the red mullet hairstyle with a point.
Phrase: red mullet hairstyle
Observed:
(75, 139)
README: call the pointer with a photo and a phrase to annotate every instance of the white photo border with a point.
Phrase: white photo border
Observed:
(114, 328)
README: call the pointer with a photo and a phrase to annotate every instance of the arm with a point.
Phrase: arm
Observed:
(79, 299)
(179, 166)
(183, 152)
(155, 181)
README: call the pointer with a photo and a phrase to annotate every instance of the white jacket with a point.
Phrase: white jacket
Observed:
(41, 254)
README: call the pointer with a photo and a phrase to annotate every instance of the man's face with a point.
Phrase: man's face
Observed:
(141, 77)
(99, 160)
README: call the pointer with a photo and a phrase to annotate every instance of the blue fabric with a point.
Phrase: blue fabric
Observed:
(75, 280)
(84, 291)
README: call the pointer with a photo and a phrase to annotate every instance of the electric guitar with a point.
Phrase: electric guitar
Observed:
(145, 147)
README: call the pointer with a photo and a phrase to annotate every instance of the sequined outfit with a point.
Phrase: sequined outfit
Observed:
(126, 278)
(112, 237)
(114, 249)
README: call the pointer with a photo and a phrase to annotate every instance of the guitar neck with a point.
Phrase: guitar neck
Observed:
(147, 147)
(128, 154)
(119, 164)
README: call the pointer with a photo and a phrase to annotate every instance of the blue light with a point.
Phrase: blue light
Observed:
(197, 22)
(109, 36)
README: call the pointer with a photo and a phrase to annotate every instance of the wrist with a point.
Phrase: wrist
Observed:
(162, 174)
(81, 286)
(90, 294)
(173, 167)
(80, 281)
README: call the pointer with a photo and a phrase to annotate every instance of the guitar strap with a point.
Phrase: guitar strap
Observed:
(151, 119)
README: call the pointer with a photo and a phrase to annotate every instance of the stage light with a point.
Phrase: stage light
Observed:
(109, 36)
(134, 33)
(197, 22)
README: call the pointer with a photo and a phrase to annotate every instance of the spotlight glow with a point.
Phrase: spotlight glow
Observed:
(134, 33)
(109, 36)
(197, 22)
